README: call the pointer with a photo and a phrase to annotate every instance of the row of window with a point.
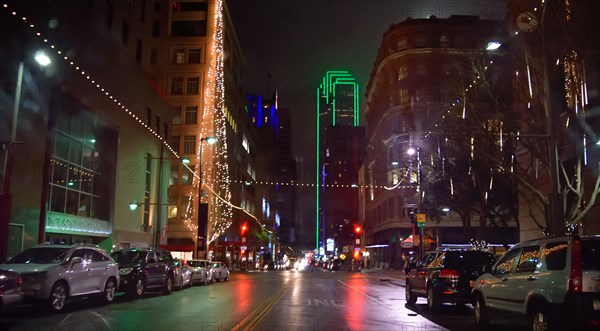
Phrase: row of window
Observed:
(392, 208)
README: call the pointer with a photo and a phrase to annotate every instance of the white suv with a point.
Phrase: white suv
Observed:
(57, 272)
(553, 281)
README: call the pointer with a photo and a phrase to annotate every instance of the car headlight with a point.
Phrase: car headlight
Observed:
(33, 276)
(125, 271)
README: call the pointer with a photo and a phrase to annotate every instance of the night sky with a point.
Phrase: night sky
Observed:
(290, 44)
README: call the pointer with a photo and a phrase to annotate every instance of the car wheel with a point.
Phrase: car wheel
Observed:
(433, 300)
(226, 278)
(58, 296)
(411, 298)
(541, 319)
(480, 312)
(168, 285)
(110, 290)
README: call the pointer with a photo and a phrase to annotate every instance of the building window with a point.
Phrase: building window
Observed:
(175, 143)
(77, 186)
(179, 56)
(153, 55)
(138, 51)
(444, 42)
(191, 115)
(125, 34)
(193, 85)
(188, 28)
(174, 177)
(402, 73)
(177, 85)
(148, 116)
(402, 44)
(420, 41)
(190, 6)
(404, 96)
(189, 145)
(194, 55)
(176, 115)
(156, 29)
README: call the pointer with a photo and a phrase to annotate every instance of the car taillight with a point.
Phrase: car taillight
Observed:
(448, 273)
(20, 280)
(575, 277)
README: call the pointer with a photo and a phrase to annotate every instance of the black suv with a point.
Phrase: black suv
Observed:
(446, 276)
(144, 269)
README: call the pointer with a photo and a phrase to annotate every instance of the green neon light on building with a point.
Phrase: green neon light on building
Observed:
(327, 93)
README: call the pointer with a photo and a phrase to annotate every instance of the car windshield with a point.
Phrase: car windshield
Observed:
(196, 263)
(41, 255)
(590, 259)
(128, 256)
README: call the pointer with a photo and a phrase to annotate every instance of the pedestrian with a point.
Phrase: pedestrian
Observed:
(312, 265)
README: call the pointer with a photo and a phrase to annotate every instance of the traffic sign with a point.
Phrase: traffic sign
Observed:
(421, 218)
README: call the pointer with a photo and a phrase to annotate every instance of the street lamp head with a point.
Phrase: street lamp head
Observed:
(133, 205)
(493, 45)
(185, 160)
(210, 140)
(411, 151)
(42, 58)
(445, 209)
(394, 163)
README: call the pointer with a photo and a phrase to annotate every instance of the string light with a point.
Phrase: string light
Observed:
(77, 68)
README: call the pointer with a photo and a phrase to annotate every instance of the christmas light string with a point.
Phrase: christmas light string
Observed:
(90, 79)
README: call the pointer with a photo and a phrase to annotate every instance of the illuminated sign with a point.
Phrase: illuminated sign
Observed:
(330, 245)
(72, 224)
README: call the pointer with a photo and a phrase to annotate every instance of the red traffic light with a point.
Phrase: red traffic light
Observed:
(243, 229)
(357, 229)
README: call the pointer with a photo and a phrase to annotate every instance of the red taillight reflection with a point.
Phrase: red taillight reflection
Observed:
(575, 277)
(20, 281)
(448, 273)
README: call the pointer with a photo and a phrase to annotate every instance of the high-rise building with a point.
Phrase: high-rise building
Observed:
(337, 106)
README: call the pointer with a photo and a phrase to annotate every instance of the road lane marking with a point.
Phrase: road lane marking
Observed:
(252, 320)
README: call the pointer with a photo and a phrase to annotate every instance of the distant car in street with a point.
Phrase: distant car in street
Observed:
(202, 271)
(55, 273)
(446, 276)
(220, 271)
(10, 291)
(145, 269)
(182, 275)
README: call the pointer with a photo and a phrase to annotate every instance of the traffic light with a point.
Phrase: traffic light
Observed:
(244, 229)
(357, 229)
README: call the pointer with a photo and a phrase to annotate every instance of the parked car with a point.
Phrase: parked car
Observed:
(201, 271)
(554, 282)
(55, 273)
(182, 275)
(446, 276)
(10, 291)
(220, 271)
(145, 269)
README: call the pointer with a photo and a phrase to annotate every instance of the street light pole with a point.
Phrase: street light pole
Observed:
(5, 195)
(210, 141)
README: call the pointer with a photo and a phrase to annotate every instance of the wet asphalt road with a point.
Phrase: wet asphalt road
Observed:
(274, 300)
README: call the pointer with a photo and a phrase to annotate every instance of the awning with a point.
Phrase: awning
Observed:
(410, 243)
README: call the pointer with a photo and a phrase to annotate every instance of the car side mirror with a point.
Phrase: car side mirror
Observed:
(76, 260)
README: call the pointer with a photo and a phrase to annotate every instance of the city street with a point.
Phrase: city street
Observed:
(268, 300)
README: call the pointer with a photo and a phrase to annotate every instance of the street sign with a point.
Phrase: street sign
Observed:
(421, 218)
